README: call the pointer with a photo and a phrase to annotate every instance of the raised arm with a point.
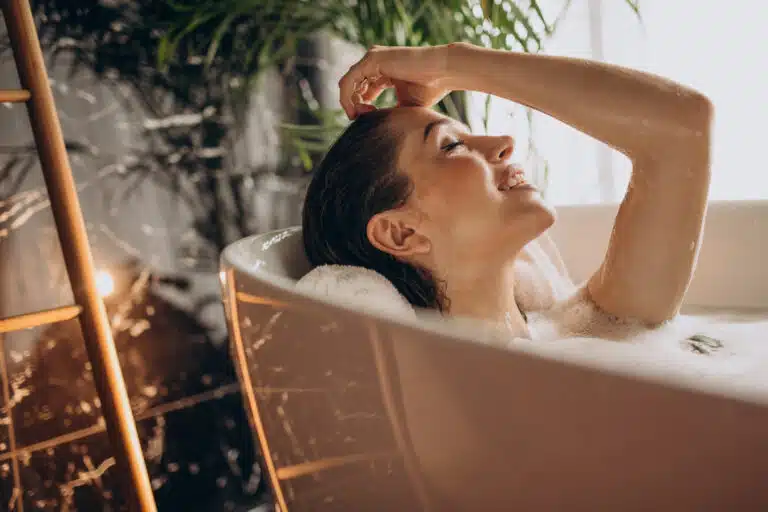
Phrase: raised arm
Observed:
(634, 112)
(663, 127)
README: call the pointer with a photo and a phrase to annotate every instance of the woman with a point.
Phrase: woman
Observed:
(444, 214)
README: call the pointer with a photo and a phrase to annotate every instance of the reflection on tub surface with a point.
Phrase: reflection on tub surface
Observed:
(360, 412)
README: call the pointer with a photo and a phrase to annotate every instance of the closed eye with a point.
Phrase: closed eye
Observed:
(452, 145)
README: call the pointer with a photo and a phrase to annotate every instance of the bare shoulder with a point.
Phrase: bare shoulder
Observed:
(542, 279)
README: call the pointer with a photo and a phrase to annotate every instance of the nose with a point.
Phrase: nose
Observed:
(500, 148)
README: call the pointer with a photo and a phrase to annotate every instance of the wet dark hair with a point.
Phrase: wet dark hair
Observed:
(357, 179)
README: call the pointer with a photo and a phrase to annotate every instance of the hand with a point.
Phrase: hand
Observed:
(418, 75)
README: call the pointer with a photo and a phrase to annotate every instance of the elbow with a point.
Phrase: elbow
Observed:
(685, 125)
(698, 113)
(683, 120)
(704, 108)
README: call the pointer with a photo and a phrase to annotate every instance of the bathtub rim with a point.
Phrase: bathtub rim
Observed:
(730, 274)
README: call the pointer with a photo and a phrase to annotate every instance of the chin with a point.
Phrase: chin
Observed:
(529, 220)
(533, 210)
(546, 216)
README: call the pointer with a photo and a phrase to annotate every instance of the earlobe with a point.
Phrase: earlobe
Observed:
(391, 232)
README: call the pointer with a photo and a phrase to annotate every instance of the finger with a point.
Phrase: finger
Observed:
(348, 87)
(360, 106)
(375, 88)
(357, 99)
(364, 69)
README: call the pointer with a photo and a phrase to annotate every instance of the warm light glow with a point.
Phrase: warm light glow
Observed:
(104, 283)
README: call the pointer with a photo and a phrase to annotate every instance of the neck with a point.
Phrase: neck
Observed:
(487, 293)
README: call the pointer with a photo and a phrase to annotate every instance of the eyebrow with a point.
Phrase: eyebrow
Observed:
(432, 124)
(445, 120)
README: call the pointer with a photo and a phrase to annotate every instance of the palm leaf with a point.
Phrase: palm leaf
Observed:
(258, 34)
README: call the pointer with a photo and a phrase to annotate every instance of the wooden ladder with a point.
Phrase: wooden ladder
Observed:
(89, 308)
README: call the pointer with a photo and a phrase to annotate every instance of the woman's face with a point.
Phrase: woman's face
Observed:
(468, 197)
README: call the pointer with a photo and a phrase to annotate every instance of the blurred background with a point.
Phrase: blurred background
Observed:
(193, 123)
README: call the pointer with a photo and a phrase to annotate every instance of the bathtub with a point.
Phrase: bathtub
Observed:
(360, 411)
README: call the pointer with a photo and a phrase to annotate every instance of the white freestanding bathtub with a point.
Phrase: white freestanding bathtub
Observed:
(362, 412)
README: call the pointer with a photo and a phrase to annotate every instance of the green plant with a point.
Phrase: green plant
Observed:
(253, 35)
(187, 67)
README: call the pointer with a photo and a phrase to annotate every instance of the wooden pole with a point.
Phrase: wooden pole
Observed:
(65, 206)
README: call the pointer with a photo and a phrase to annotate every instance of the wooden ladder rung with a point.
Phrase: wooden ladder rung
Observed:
(49, 316)
(14, 95)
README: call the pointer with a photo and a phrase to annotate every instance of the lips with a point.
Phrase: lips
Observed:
(511, 177)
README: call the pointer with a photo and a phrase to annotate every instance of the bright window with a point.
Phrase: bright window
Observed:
(718, 49)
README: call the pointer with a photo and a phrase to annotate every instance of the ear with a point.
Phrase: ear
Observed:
(393, 232)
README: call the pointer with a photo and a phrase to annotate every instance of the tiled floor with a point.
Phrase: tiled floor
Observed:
(54, 453)
(194, 453)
